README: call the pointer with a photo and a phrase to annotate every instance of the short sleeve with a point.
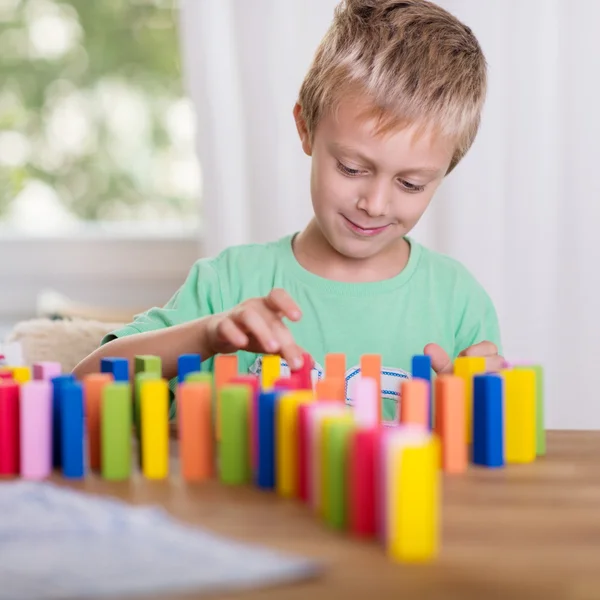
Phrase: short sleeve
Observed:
(477, 319)
(199, 295)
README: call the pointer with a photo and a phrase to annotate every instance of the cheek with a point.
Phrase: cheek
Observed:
(329, 187)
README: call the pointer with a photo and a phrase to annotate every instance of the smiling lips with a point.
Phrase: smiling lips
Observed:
(364, 231)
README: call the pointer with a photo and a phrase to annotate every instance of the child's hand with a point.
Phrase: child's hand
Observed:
(441, 363)
(256, 325)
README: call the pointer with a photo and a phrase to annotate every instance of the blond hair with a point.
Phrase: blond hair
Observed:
(415, 62)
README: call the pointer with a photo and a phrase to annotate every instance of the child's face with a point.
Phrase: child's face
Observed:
(369, 190)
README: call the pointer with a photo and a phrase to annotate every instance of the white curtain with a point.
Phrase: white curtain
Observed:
(521, 211)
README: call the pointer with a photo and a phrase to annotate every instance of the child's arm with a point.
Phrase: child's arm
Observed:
(255, 325)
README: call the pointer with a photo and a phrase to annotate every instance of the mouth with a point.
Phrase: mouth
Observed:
(364, 231)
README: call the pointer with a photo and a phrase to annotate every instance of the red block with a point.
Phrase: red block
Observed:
(304, 372)
(303, 412)
(361, 482)
(9, 428)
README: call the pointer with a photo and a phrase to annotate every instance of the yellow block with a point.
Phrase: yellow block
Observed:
(286, 441)
(466, 367)
(323, 497)
(520, 415)
(155, 428)
(19, 374)
(414, 502)
(270, 371)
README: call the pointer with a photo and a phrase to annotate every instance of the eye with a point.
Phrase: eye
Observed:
(411, 187)
(347, 170)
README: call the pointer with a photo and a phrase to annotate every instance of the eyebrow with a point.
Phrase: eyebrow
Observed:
(366, 159)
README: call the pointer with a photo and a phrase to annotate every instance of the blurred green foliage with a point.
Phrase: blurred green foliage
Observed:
(86, 58)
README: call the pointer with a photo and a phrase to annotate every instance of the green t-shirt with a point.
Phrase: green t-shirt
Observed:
(434, 299)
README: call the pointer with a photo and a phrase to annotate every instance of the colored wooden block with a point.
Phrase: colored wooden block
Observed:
(286, 441)
(414, 402)
(196, 439)
(118, 367)
(467, 367)
(265, 475)
(370, 366)
(234, 459)
(20, 374)
(303, 451)
(139, 380)
(286, 384)
(540, 434)
(46, 370)
(450, 422)
(225, 369)
(335, 366)
(304, 372)
(57, 384)
(9, 428)
(154, 419)
(187, 363)
(361, 483)
(331, 389)
(71, 430)
(421, 369)
(148, 363)
(36, 429)
(488, 420)
(519, 406)
(93, 384)
(414, 500)
(270, 371)
(6, 375)
(115, 431)
(318, 412)
(254, 389)
(325, 474)
(200, 377)
(338, 456)
(366, 405)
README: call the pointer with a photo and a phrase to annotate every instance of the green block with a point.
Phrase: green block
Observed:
(200, 377)
(115, 437)
(540, 421)
(234, 462)
(147, 363)
(336, 510)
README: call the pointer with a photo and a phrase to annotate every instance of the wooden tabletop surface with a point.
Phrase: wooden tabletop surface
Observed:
(523, 532)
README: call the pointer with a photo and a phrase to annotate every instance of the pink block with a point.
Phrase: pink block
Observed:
(46, 370)
(36, 429)
(365, 403)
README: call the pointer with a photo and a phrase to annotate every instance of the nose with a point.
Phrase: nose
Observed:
(375, 199)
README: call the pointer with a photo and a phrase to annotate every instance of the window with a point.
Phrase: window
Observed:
(98, 175)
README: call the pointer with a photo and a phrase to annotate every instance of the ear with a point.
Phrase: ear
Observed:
(302, 130)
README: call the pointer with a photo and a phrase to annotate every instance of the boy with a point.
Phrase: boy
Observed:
(390, 105)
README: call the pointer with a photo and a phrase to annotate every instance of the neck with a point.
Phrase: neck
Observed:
(315, 254)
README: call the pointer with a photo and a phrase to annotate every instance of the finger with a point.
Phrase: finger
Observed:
(280, 301)
(252, 321)
(229, 332)
(441, 362)
(289, 350)
(494, 364)
(480, 349)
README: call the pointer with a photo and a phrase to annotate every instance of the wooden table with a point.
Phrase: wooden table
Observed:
(525, 532)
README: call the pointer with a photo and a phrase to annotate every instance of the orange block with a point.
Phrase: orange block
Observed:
(331, 389)
(370, 366)
(414, 402)
(450, 422)
(335, 366)
(225, 368)
(93, 384)
(196, 444)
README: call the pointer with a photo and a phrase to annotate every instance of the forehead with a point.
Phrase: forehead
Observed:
(353, 125)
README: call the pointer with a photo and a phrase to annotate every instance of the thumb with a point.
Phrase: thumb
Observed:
(441, 362)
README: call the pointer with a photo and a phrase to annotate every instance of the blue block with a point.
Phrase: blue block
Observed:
(187, 363)
(421, 369)
(71, 430)
(58, 383)
(119, 367)
(265, 474)
(488, 420)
